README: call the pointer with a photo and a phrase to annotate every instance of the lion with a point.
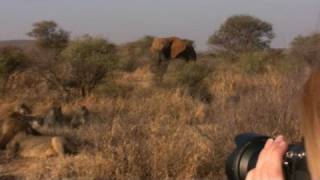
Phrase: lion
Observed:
(13, 125)
(30, 146)
(54, 117)
(23, 109)
(81, 117)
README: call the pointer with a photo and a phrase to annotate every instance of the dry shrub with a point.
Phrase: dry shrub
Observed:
(83, 166)
(6, 108)
(306, 49)
(264, 104)
(146, 138)
(189, 76)
(135, 54)
(164, 133)
(141, 77)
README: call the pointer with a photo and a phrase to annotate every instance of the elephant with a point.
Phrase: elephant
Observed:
(173, 47)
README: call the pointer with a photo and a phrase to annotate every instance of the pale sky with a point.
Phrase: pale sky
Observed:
(126, 20)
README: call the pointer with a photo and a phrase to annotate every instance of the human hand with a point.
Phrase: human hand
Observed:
(269, 165)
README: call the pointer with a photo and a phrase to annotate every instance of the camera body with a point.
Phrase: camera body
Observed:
(245, 156)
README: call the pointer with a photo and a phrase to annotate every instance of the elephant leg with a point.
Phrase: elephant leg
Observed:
(189, 54)
(193, 54)
(185, 56)
(194, 57)
(166, 52)
(161, 57)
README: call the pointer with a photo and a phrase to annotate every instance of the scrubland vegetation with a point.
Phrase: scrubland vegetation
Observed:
(176, 120)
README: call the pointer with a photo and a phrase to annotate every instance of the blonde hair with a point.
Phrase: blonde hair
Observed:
(311, 122)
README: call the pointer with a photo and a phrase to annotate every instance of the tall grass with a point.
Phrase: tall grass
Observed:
(151, 132)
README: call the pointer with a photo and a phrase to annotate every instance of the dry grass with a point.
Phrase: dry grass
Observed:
(157, 133)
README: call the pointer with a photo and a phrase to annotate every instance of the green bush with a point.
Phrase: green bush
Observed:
(128, 64)
(115, 90)
(134, 54)
(167, 73)
(141, 46)
(138, 48)
(91, 60)
(271, 60)
(253, 63)
(190, 77)
(306, 48)
(192, 74)
(11, 59)
(159, 71)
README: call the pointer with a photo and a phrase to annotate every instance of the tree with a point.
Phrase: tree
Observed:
(49, 35)
(90, 60)
(307, 48)
(243, 33)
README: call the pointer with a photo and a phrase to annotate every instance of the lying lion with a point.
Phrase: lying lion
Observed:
(11, 126)
(26, 145)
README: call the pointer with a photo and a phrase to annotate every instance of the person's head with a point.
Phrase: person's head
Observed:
(311, 121)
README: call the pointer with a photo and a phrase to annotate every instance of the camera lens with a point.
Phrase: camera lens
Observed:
(245, 157)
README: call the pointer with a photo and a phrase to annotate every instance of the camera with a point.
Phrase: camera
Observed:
(245, 156)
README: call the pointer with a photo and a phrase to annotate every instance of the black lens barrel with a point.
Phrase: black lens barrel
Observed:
(244, 158)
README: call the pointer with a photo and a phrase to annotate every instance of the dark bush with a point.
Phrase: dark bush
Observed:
(253, 63)
(91, 60)
(134, 54)
(306, 48)
(140, 47)
(11, 60)
(192, 74)
(128, 64)
(114, 90)
(263, 61)
(190, 77)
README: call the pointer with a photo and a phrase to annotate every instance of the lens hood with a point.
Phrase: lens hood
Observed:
(245, 157)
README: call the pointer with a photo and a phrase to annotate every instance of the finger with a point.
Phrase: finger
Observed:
(251, 175)
(268, 143)
(269, 165)
(279, 138)
(278, 151)
(273, 166)
(263, 154)
(278, 148)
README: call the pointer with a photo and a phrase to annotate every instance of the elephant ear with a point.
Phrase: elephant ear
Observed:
(177, 47)
(158, 44)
